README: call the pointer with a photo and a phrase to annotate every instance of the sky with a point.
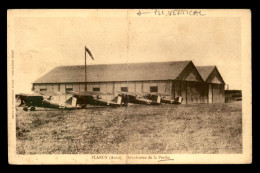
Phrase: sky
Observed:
(42, 43)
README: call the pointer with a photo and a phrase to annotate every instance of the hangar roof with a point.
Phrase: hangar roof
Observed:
(205, 71)
(119, 72)
(210, 74)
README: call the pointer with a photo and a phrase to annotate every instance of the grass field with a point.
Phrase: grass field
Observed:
(137, 129)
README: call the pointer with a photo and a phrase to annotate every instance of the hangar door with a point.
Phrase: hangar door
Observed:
(210, 96)
(218, 93)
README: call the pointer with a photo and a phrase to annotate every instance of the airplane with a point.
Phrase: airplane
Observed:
(132, 97)
(77, 100)
(30, 101)
(94, 98)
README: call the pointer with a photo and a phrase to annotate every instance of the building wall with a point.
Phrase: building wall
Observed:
(218, 92)
(138, 87)
(109, 87)
(36, 87)
(81, 87)
(56, 87)
(131, 86)
(192, 92)
(146, 86)
(117, 87)
(76, 87)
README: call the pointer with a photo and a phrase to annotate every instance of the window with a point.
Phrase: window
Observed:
(124, 89)
(43, 87)
(69, 89)
(153, 89)
(96, 89)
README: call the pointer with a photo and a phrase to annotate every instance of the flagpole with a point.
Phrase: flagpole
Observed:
(85, 71)
(90, 54)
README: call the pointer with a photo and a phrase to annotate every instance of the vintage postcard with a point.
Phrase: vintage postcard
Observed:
(129, 86)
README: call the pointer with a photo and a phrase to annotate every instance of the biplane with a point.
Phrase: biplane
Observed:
(75, 100)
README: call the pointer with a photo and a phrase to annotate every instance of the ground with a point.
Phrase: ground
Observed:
(137, 129)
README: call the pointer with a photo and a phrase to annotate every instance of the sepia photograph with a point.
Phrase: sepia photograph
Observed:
(129, 86)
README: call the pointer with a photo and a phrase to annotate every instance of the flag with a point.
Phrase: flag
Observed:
(90, 54)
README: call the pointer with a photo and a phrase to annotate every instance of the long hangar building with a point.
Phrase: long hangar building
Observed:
(202, 84)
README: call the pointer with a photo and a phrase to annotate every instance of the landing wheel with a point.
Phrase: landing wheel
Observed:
(32, 108)
(25, 109)
(83, 106)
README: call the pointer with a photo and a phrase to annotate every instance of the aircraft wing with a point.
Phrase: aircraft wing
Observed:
(48, 93)
(157, 94)
(130, 93)
(26, 95)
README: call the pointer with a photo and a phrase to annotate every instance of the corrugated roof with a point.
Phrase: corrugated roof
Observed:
(115, 72)
(205, 71)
